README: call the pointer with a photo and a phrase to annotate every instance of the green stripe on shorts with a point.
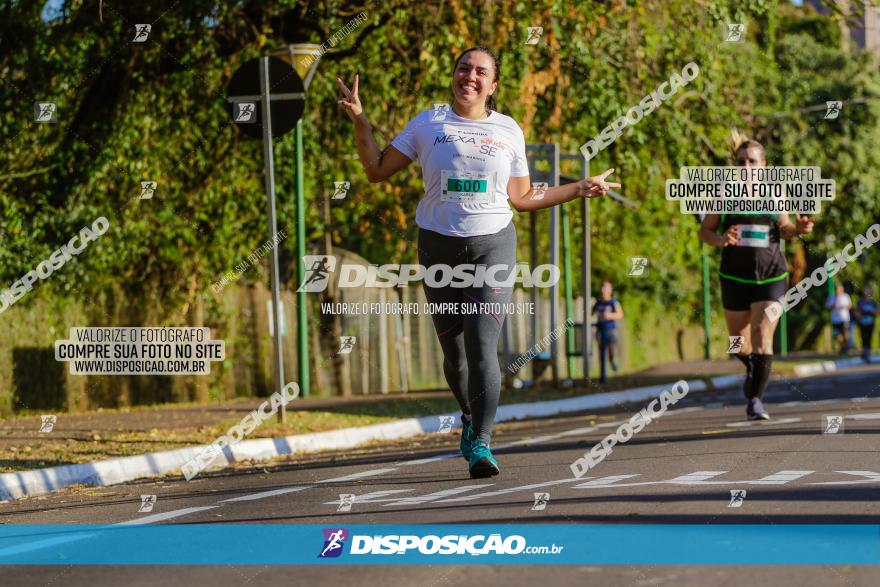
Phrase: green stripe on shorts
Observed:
(754, 281)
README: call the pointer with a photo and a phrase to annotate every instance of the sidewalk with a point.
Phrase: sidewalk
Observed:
(79, 443)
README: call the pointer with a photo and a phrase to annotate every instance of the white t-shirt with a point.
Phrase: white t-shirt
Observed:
(840, 305)
(466, 165)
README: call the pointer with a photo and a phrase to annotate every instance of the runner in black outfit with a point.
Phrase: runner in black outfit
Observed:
(753, 274)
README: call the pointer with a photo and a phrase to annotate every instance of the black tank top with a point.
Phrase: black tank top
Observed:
(751, 264)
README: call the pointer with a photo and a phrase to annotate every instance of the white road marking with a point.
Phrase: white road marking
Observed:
(863, 416)
(780, 478)
(686, 410)
(271, 493)
(696, 478)
(166, 516)
(356, 476)
(537, 439)
(604, 481)
(508, 490)
(437, 495)
(425, 461)
(372, 497)
(295, 488)
(611, 424)
(763, 422)
(872, 478)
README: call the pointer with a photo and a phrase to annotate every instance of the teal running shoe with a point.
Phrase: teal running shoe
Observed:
(467, 440)
(483, 464)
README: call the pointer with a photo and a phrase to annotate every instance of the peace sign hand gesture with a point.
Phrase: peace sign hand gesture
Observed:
(351, 104)
(596, 186)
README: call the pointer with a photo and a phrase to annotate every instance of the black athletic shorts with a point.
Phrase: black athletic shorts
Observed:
(737, 296)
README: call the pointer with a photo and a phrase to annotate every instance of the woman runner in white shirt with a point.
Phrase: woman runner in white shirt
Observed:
(474, 168)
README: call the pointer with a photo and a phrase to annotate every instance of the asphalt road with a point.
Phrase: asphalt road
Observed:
(681, 468)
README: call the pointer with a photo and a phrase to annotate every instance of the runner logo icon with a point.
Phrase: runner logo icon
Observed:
(639, 264)
(45, 111)
(735, 344)
(141, 32)
(346, 500)
(318, 269)
(832, 109)
(541, 500)
(334, 541)
(148, 188)
(440, 111)
(446, 424)
(147, 503)
(346, 345)
(737, 497)
(245, 112)
(833, 424)
(539, 188)
(535, 33)
(47, 423)
(735, 32)
(340, 189)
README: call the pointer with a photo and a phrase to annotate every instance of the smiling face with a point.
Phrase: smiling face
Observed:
(474, 79)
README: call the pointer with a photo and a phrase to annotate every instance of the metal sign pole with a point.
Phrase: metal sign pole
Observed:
(554, 261)
(302, 321)
(586, 331)
(273, 228)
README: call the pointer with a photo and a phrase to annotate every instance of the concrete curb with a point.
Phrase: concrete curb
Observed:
(110, 472)
(828, 366)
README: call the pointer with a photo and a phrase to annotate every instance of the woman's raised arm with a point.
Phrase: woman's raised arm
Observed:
(378, 165)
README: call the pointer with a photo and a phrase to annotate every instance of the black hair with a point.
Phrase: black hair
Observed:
(491, 103)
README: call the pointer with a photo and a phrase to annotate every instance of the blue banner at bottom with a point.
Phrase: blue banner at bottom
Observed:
(283, 544)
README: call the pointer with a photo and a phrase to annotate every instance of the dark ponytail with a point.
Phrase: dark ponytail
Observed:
(491, 103)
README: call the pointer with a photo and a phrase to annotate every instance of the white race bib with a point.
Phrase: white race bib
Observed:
(754, 235)
(467, 187)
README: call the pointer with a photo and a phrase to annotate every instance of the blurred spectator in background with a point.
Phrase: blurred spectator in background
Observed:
(866, 312)
(840, 305)
(607, 311)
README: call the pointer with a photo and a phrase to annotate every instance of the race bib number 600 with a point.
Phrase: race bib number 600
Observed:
(466, 187)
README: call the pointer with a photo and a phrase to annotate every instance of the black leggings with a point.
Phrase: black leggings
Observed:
(470, 340)
(867, 331)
